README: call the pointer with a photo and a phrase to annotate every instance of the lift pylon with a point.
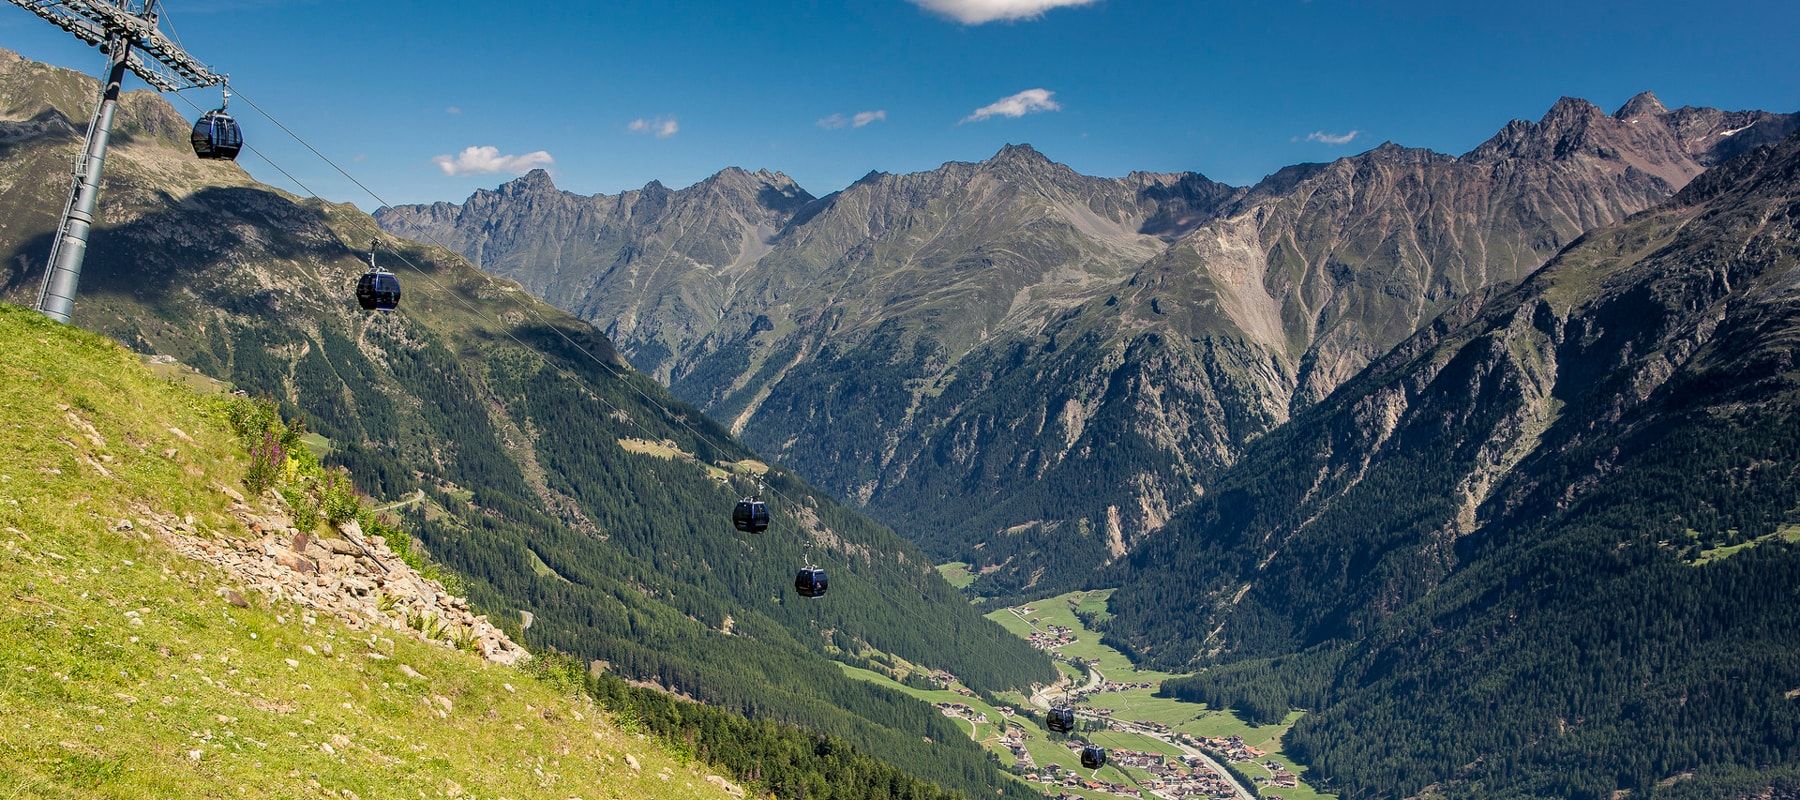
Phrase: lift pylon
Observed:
(126, 32)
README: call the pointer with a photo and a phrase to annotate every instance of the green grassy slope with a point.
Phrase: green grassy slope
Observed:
(125, 675)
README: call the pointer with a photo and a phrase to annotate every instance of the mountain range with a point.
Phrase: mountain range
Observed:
(1031, 369)
(1483, 461)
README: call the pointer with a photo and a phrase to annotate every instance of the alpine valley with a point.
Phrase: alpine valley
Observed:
(1032, 370)
(1406, 475)
(1486, 462)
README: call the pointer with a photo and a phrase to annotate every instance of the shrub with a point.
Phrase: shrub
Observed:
(306, 513)
(252, 418)
(337, 498)
(268, 460)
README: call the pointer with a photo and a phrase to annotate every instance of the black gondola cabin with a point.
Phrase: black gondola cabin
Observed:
(216, 136)
(378, 290)
(1093, 757)
(810, 582)
(750, 516)
(1061, 719)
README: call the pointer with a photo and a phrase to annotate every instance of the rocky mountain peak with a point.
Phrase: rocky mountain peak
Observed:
(775, 178)
(1570, 110)
(772, 190)
(1640, 105)
(1393, 153)
(1572, 126)
(537, 181)
(735, 176)
(1022, 155)
(740, 177)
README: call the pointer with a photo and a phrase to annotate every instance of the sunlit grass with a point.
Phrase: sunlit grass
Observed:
(124, 674)
(957, 574)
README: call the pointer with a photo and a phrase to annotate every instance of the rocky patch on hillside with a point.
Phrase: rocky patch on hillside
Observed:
(356, 578)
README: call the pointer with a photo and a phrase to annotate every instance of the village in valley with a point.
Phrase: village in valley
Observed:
(1157, 747)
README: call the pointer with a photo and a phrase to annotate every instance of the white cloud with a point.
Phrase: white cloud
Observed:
(476, 160)
(1030, 101)
(857, 120)
(976, 12)
(662, 127)
(1332, 138)
(453, 110)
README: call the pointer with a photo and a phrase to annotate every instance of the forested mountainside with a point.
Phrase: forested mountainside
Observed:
(1547, 547)
(1032, 369)
(560, 484)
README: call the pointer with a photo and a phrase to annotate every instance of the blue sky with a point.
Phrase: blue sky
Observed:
(1229, 88)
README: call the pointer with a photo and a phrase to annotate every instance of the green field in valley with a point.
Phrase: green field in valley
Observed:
(1132, 705)
(1036, 740)
(1141, 705)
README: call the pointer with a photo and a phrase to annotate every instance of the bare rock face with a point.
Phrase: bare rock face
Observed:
(356, 578)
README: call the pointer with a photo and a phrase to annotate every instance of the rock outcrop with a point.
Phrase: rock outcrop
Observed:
(356, 578)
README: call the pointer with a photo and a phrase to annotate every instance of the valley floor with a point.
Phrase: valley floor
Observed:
(1159, 746)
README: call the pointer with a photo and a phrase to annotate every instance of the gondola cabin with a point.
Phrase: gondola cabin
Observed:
(750, 516)
(810, 582)
(1061, 719)
(378, 290)
(1093, 757)
(217, 136)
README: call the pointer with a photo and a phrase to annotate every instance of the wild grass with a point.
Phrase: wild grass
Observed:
(957, 574)
(124, 674)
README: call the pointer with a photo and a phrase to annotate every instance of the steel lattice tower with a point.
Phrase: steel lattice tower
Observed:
(128, 35)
